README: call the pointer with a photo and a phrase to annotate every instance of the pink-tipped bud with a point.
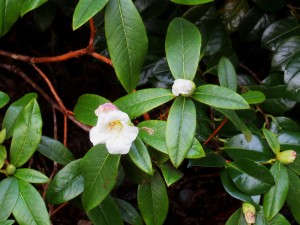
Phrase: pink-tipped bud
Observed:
(105, 108)
(249, 212)
(287, 156)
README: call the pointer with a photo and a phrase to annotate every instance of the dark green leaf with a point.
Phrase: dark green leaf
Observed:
(29, 5)
(66, 185)
(290, 140)
(85, 108)
(272, 140)
(129, 213)
(9, 193)
(210, 160)
(227, 74)
(183, 44)
(4, 99)
(55, 150)
(140, 156)
(220, 97)
(85, 10)
(191, 2)
(250, 177)
(13, 112)
(170, 173)
(180, 131)
(31, 176)
(30, 207)
(293, 196)
(254, 97)
(275, 197)
(277, 220)
(44, 16)
(99, 170)
(107, 213)
(127, 41)
(237, 218)
(292, 73)
(153, 201)
(295, 166)
(27, 134)
(280, 124)
(142, 101)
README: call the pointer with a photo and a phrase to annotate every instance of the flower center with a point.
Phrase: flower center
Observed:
(115, 126)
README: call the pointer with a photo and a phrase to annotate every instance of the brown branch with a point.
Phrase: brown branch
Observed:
(101, 57)
(92, 35)
(216, 131)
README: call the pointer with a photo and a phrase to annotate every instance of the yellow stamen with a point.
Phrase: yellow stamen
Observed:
(116, 126)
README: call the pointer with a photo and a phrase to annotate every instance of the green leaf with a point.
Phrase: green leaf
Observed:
(29, 5)
(27, 134)
(220, 97)
(3, 155)
(272, 140)
(31, 176)
(293, 196)
(277, 32)
(237, 218)
(277, 220)
(290, 140)
(140, 156)
(191, 2)
(291, 74)
(139, 102)
(183, 44)
(66, 185)
(13, 112)
(250, 177)
(129, 213)
(107, 213)
(211, 159)
(7, 222)
(85, 108)
(127, 41)
(180, 130)
(30, 207)
(275, 197)
(85, 10)
(9, 193)
(254, 97)
(227, 74)
(55, 151)
(196, 151)
(170, 173)
(4, 99)
(9, 11)
(295, 166)
(99, 170)
(153, 201)
(231, 189)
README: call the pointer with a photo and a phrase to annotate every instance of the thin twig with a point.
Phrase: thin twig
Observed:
(251, 73)
(216, 131)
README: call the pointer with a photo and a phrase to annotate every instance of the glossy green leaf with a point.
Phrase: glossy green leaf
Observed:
(13, 112)
(85, 108)
(183, 44)
(9, 11)
(153, 201)
(191, 2)
(237, 218)
(284, 53)
(140, 156)
(180, 130)
(9, 193)
(227, 74)
(127, 41)
(280, 124)
(220, 97)
(29, 5)
(170, 173)
(254, 97)
(234, 118)
(139, 102)
(66, 185)
(196, 151)
(27, 134)
(275, 197)
(290, 140)
(30, 208)
(85, 10)
(295, 166)
(277, 32)
(211, 159)
(129, 213)
(55, 151)
(250, 177)
(272, 140)
(107, 213)
(277, 220)
(31, 176)
(292, 73)
(231, 189)
(4, 99)
(293, 196)
(3, 155)
(99, 170)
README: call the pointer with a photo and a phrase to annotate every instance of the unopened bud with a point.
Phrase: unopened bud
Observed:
(183, 87)
(10, 169)
(105, 108)
(249, 212)
(287, 156)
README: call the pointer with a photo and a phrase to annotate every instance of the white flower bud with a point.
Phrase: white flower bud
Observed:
(287, 156)
(183, 87)
(249, 212)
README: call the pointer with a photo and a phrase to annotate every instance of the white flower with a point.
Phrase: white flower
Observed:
(114, 129)
(183, 87)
